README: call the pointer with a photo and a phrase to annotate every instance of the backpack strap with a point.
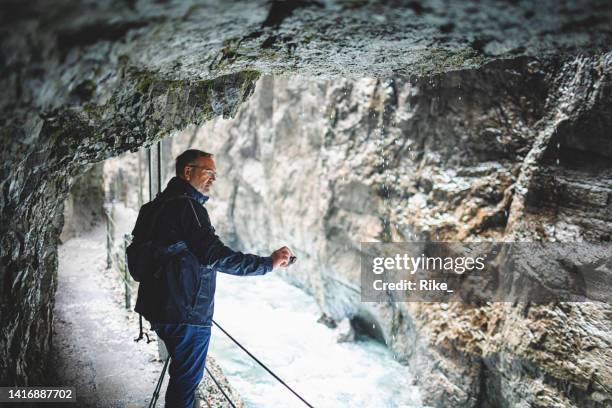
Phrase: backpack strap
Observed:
(194, 211)
(155, 218)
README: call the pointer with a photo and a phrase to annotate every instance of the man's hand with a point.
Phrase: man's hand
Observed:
(280, 257)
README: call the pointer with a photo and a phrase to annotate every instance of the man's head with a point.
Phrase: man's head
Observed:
(197, 168)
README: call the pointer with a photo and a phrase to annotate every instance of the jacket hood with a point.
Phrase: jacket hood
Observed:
(177, 186)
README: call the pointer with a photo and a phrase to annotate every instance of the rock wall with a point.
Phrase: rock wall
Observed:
(84, 207)
(516, 150)
(64, 108)
(83, 81)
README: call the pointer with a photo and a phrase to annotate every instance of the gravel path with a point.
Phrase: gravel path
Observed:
(93, 336)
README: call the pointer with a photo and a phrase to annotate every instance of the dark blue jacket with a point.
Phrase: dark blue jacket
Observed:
(183, 289)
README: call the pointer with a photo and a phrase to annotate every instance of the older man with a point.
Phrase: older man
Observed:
(179, 299)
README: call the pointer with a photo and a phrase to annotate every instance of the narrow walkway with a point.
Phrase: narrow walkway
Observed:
(93, 336)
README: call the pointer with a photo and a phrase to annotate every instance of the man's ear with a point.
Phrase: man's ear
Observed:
(187, 173)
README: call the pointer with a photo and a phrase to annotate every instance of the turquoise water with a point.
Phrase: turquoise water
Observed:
(277, 323)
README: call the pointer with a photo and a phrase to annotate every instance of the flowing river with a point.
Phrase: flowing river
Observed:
(277, 323)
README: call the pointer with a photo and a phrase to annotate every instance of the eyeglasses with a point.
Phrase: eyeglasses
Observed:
(209, 172)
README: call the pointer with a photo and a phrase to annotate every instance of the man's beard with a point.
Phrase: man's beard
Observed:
(204, 189)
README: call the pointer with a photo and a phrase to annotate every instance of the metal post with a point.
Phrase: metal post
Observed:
(110, 231)
(126, 275)
(155, 169)
(150, 162)
(109, 244)
(140, 193)
(159, 166)
(155, 180)
(159, 385)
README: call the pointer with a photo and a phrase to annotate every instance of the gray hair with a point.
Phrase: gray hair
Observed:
(187, 157)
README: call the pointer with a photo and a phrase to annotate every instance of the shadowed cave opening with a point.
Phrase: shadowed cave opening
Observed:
(352, 121)
(342, 146)
(242, 189)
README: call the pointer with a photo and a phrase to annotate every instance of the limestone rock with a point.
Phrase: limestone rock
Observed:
(327, 321)
(453, 121)
(84, 206)
(443, 158)
(345, 331)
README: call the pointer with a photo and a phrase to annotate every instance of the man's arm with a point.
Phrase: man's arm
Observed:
(211, 251)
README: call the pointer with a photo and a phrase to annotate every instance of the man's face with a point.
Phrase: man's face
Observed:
(201, 174)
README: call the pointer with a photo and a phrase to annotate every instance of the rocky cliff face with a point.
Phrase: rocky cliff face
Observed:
(451, 155)
(71, 98)
(84, 207)
(512, 151)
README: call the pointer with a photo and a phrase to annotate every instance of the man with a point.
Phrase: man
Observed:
(179, 300)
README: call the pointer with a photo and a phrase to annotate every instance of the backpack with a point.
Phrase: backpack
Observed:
(145, 257)
(143, 254)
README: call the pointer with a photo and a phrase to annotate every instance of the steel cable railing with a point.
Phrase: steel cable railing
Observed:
(263, 365)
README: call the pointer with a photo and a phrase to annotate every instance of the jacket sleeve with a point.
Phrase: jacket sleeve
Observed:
(212, 252)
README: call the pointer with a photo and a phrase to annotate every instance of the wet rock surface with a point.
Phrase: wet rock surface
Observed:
(323, 165)
(84, 207)
(50, 133)
(501, 148)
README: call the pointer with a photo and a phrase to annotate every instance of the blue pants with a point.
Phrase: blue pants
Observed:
(187, 346)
